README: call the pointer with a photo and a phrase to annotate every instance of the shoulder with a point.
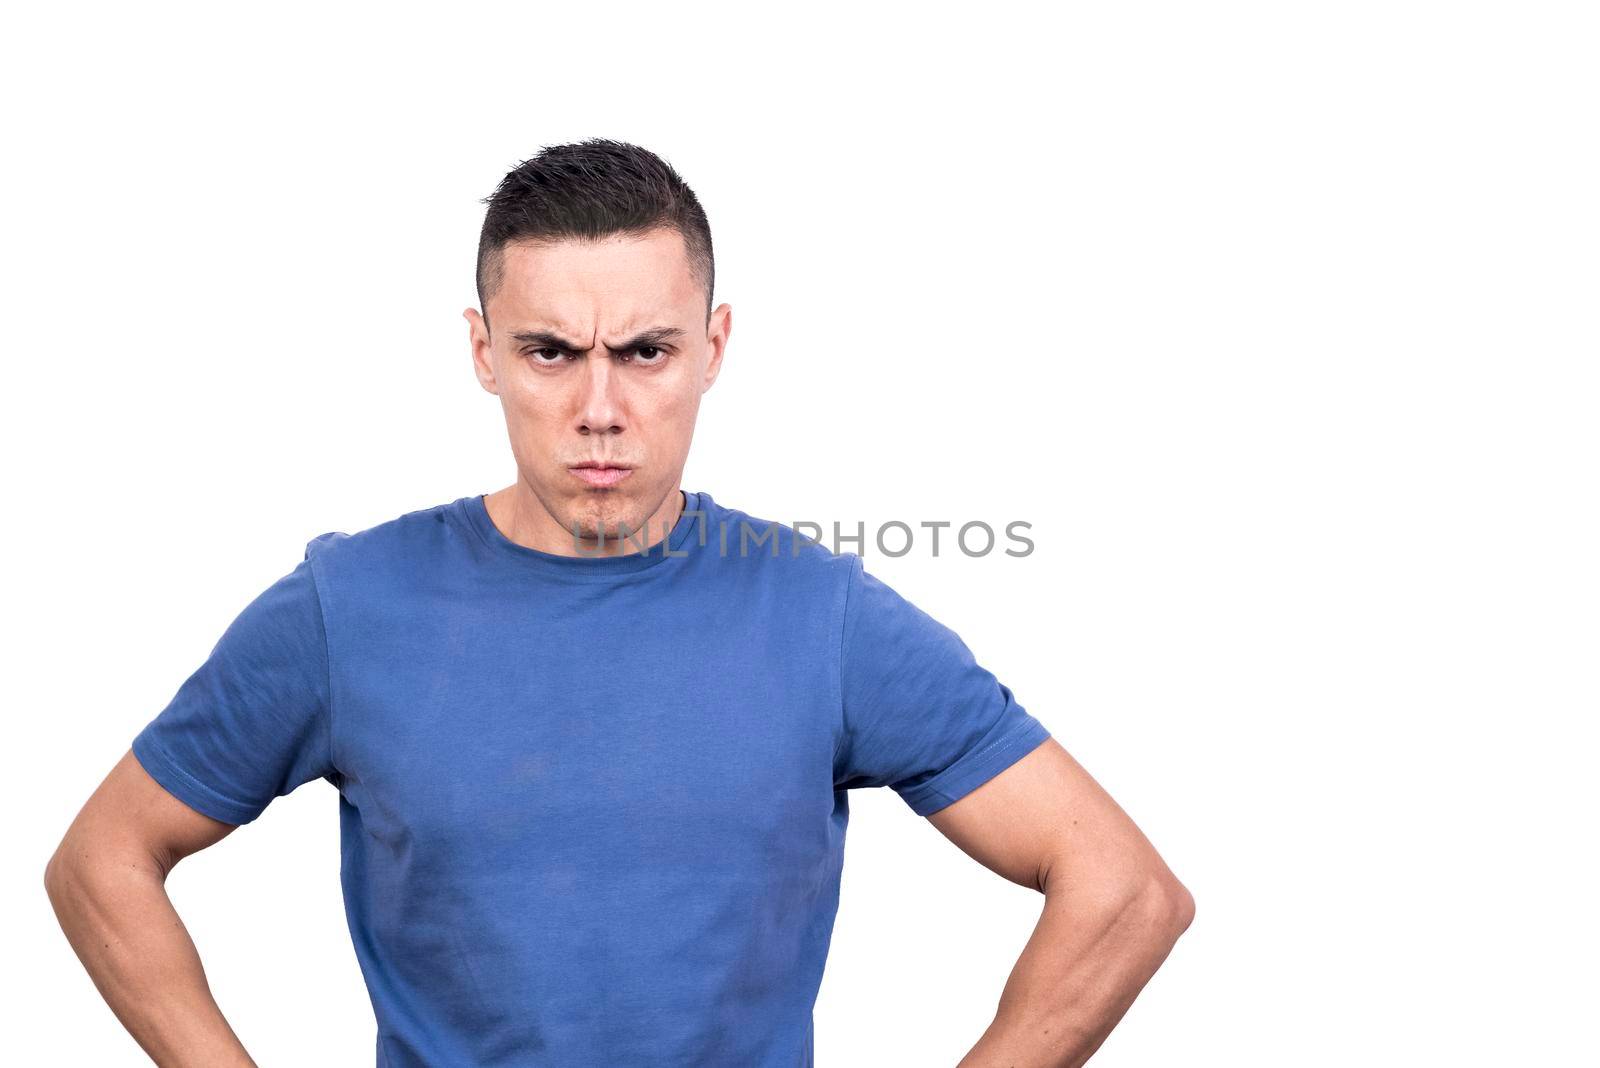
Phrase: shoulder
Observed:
(401, 542)
(796, 556)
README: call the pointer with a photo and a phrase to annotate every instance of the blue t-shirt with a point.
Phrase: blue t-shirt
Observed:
(592, 809)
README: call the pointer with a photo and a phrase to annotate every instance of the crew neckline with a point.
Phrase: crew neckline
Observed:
(590, 567)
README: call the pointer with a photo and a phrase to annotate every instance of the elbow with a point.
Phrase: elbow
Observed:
(1182, 906)
(59, 869)
(1148, 904)
(55, 878)
(67, 872)
(1150, 907)
(1167, 904)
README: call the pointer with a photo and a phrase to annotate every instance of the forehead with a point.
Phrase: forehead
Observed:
(576, 284)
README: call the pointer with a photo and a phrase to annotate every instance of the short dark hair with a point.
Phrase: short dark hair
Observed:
(589, 190)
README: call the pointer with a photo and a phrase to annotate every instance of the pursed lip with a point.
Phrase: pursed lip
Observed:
(600, 473)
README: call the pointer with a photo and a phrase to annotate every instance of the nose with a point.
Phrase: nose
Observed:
(600, 406)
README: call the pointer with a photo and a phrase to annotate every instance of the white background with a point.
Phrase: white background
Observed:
(1277, 321)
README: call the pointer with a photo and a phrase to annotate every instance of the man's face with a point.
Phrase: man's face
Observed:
(599, 353)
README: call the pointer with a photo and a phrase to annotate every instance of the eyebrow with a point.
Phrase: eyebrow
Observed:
(659, 335)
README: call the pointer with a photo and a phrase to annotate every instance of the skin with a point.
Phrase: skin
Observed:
(575, 385)
(107, 883)
(1112, 909)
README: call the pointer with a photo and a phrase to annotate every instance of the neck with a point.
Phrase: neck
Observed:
(523, 518)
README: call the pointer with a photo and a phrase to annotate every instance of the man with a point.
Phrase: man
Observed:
(592, 749)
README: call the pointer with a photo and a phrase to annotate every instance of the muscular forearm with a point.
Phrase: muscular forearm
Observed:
(1080, 971)
(122, 925)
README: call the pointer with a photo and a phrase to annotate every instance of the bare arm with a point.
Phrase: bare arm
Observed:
(107, 883)
(1112, 909)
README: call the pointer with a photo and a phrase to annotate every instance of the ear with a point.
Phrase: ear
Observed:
(717, 332)
(482, 360)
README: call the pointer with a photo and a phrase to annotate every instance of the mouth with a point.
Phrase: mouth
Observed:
(599, 473)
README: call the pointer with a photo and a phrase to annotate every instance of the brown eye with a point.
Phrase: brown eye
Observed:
(649, 355)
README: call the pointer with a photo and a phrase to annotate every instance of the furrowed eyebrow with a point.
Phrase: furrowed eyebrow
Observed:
(657, 336)
(660, 335)
(548, 340)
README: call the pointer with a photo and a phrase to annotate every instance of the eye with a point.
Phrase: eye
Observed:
(646, 355)
(546, 356)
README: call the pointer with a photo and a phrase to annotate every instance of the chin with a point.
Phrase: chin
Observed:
(603, 513)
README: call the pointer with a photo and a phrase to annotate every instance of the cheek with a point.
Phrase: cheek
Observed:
(678, 392)
(530, 401)
(533, 423)
(672, 411)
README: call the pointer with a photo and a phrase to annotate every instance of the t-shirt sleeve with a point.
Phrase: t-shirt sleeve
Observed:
(252, 722)
(920, 714)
